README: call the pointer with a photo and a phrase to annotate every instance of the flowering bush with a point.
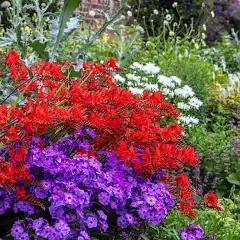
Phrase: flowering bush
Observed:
(142, 77)
(83, 194)
(113, 183)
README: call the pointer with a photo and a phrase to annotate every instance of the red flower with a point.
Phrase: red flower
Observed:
(111, 63)
(12, 134)
(182, 181)
(12, 58)
(211, 201)
(20, 193)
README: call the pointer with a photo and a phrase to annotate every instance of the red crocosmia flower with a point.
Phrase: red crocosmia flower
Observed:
(111, 63)
(17, 154)
(211, 201)
(13, 72)
(12, 58)
(23, 72)
(185, 193)
(20, 193)
(182, 180)
(12, 134)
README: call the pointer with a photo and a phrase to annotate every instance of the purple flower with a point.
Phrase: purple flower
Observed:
(192, 231)
(83, 236)
(104, 198)
(17, 229)
(122, 222)
(37, 224)
(151, 200)
(63, 228)
(91, 221)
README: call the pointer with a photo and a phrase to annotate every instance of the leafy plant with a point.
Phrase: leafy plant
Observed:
(47, 44)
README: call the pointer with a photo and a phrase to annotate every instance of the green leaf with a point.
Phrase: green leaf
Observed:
(59, 89)
(72, 73)
(234, 178)
(39, 48)
(144, 237)
(67, 10)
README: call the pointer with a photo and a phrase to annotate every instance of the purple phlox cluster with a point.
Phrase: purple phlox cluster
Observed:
(83, 194)
(18, 231)
(5, 201)
(192, 231)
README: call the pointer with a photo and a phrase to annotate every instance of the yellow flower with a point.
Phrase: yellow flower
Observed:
(27, 29)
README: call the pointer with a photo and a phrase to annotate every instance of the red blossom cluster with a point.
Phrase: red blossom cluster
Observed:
(211, 201)
(185, 193)
(124, 123)
(18, 70)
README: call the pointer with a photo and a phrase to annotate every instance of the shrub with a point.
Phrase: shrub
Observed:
(83, 196)
(126, 125)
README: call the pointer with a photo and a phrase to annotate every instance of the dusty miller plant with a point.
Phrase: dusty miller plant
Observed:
(46, 44)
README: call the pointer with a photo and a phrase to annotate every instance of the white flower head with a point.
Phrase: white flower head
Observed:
(184, 92)
(166, 81)
(136, 90)
(188, 120)
(150, 68)
(5, 4)
(203, 36)
(177, 80)
(119, 78)
(155, 12)
(183, 106)
(168, 17)
(92, 13)
(151, 87)
(133, 77)
(139, 29)
(212, 14)
(195, 102)
(175, 4)
(168, 92)
(129, 13)
(137, 65)
(204, 27)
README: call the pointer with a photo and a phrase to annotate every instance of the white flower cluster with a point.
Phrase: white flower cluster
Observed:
(188, 120)
(232, 88)
(148, 77)
(148, 68)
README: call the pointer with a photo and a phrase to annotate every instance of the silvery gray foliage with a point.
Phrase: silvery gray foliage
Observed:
(8, 39)
(72, 25)
(47, 44)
